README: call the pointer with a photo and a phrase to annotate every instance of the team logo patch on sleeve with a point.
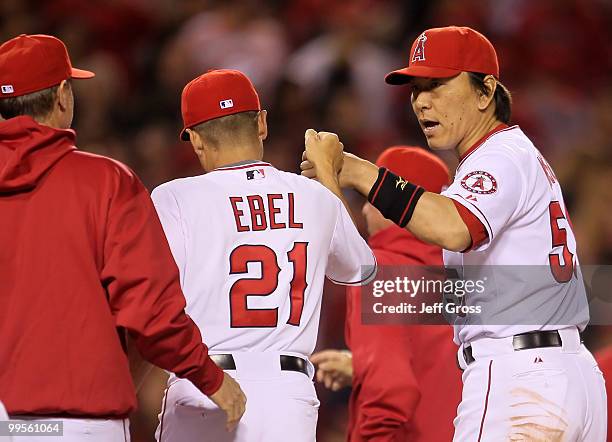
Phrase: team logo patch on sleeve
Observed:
(479, 182)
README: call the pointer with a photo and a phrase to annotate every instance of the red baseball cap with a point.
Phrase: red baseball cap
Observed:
(446, 52)
(416, 165)
(215, 94)
(31, 63)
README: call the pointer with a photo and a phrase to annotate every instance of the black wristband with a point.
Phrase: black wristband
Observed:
(394, 197)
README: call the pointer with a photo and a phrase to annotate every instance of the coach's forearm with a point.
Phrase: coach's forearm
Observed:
(436, 221)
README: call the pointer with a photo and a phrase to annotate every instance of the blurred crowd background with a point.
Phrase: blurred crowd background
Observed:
(320, 64)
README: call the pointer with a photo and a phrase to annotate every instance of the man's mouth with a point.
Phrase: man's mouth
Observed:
(429, 126)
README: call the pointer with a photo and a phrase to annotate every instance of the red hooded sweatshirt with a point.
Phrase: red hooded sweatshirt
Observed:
(82, 257)
(406, 383)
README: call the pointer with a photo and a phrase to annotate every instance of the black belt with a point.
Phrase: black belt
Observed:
(525, 341)
(287, 363)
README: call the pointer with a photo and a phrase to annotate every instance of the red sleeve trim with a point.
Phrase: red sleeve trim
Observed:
(478, 232)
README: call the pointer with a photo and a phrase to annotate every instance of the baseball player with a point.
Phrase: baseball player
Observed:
(84, 266)
(526, 374)
(253, 245)
(398, 373)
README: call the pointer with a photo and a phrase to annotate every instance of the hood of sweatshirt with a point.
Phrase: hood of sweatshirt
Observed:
(28, 150)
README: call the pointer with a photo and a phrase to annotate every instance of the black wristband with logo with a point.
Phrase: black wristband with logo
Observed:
(394, 197)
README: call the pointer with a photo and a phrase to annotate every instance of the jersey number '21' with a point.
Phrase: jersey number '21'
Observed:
(240, 314)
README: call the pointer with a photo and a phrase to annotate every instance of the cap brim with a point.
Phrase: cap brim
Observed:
(184, 135)
(403, 76)
(81, 73)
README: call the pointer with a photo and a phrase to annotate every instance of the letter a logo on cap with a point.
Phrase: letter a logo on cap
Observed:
(419, 50)
(7, 89)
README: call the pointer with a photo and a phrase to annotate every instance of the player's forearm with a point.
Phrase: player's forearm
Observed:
(429, 216)
(436, 221)
(359, 174)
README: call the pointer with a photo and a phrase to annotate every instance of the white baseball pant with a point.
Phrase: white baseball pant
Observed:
(548, 394)
(281, 406)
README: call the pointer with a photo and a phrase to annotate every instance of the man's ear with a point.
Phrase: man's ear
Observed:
(485, 99)
(64, 95)
(262, 124)
(196, 142)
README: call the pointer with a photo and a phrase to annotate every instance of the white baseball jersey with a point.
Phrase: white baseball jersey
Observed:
(253, 245)
(507, 184)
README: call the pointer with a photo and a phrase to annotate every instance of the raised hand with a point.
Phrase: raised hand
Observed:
(349, 175)
(324, 151)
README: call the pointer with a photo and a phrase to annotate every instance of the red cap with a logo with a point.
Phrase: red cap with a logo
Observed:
(31, 63)
(417, 166)
(217, 93)
(446, 52)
